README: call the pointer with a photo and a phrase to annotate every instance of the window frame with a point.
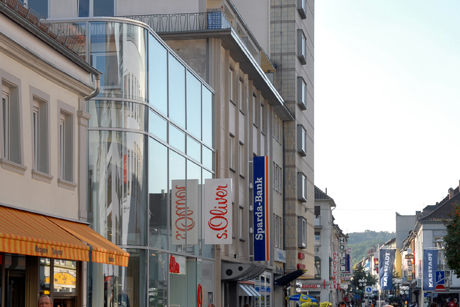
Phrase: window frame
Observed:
(301, 187)
(231, 145)
(255, 111)
(301, 93)
(302, 8)
(230, 84)
(4, 126)
(66, 139)
(302, 232)
(301, 47)
(301, 140)
(241, 159)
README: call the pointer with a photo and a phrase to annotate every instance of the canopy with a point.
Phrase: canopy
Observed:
(286, 279)
(34, 234)
(301, 298)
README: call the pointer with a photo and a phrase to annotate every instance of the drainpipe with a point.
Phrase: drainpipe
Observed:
(98, 87)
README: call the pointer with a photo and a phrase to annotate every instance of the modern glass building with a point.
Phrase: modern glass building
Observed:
(150, 151)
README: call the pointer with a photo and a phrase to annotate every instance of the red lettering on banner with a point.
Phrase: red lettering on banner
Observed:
(184, 221)
(218, 221)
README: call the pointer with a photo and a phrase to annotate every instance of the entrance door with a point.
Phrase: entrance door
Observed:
(16, 291)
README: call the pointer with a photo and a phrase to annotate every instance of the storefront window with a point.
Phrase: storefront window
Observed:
(58, 279)
(178, 187)
(158, 279)
(158, 195)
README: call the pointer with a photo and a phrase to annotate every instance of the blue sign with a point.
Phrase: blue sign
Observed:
(440, 277)
(368, 290)
(261, 214)
(357, 297)
(387, 257)
(430, 266)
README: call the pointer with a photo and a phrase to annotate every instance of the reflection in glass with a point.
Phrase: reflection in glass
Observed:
(158, 279)
(158, 195)
(176, 182)
(193, 105)
(118, 200)
(193, 149)
(116, 114)
(176, 138)
(207, 117)
(103, 7)
(109, 43)
(158, 125)
(114, 285)
(207, 157)
(158, 71)
(176, 79)
(44, 278)
(194, 204)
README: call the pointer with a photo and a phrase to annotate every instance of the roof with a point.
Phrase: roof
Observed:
(442, 210)
(320, 195)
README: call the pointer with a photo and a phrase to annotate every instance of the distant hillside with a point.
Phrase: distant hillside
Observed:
(361, 242)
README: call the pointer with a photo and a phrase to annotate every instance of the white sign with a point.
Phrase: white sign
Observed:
(217, 210)
(184, 211)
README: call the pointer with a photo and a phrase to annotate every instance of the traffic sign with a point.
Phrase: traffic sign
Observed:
(368, 289)
(440, 277)
(349, 250)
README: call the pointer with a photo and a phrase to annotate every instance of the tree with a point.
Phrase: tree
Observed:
(452, 240)
(359, 274)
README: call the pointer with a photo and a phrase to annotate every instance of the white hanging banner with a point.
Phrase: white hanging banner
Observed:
(217, 211)
(184, 211)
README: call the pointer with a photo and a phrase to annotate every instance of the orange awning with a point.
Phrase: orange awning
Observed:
(33, 234)
(103, 251)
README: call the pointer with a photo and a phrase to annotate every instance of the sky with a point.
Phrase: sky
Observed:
(387, 107)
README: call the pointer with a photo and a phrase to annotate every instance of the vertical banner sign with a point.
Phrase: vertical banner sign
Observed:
(184, 211)
(261, 214)
(387, 257)
(334, 269)
(218, 198)
(430, 266)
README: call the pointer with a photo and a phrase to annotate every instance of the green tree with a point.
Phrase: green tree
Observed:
(452, 240)
(359, 274)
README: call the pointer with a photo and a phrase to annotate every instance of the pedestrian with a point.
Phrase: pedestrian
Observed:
(342, 304)
(45, 300)
(433, 304)
(211, 305)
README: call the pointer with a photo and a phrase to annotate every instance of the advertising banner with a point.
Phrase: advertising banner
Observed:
(430, 266)
(387, 257)
(261, 213)
(217, 211)
(184, 211)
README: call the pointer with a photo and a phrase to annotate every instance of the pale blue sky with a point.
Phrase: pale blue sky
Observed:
(387, 107)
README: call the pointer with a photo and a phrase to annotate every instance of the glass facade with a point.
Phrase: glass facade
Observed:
(150, 151)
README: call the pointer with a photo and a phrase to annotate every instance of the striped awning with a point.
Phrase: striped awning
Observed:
(33, 234)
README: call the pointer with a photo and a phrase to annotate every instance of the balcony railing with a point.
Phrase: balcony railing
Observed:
(163, 23)
(70, 41)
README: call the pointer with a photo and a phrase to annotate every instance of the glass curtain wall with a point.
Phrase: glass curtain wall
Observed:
(150, 151)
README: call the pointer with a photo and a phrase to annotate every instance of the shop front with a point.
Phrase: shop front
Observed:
(44, 255)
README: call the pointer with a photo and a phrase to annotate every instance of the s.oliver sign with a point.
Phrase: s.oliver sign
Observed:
(184, 211)
(218, 211)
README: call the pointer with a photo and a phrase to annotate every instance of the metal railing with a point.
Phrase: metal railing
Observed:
(74, 42)
(163, 23)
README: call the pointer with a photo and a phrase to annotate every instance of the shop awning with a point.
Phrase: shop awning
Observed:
(250, 291)
(282, 281)
(33, 234)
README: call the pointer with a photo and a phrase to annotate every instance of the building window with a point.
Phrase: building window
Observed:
(301, 140)
(231, 146)
(66, 139)
(317, 267)
(302, 8)
(39, 6)
(87, 8)
(10, 119)
(40, 135)
(302, 232)
(230, 85)
(301, 93)
(317, 238)
(242, 160)
(263, 122)
(301, 47)
(255, 113)
(240, 222)
(277, 178)
(301, 187)
(241, 96)
(277, 128)
(278, 231)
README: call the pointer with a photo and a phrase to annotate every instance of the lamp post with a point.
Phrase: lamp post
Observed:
(362, 285)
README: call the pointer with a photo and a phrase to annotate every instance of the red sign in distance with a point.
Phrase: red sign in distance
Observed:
(440, 288)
